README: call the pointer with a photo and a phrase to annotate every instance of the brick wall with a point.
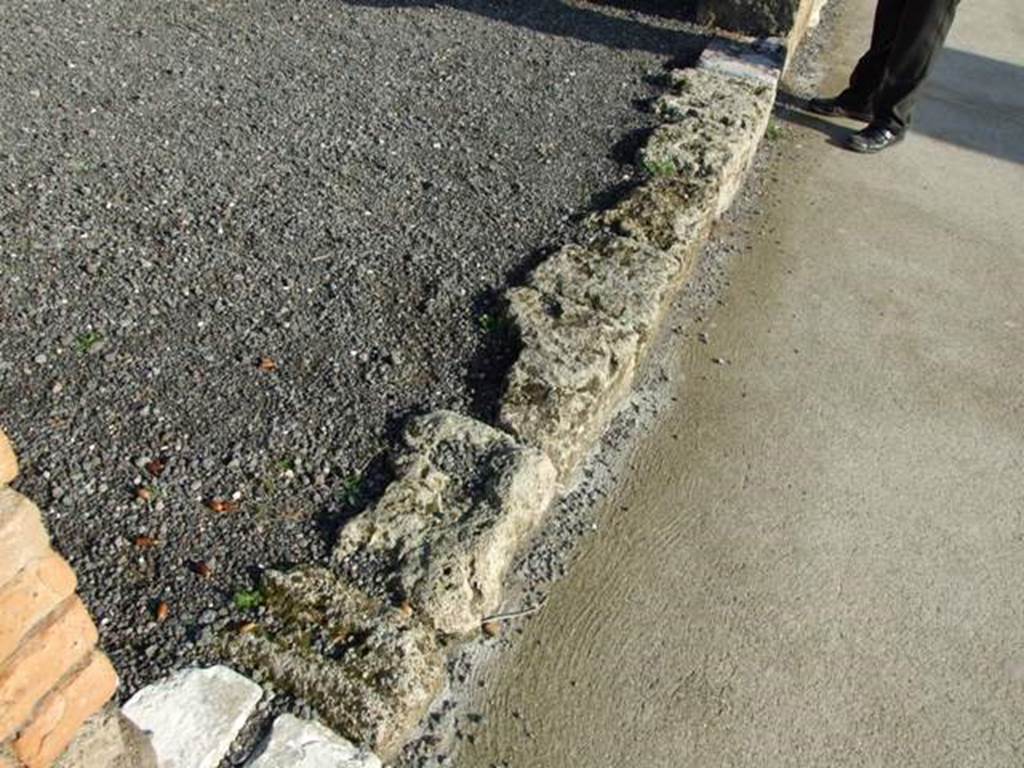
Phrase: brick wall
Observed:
(52, 677)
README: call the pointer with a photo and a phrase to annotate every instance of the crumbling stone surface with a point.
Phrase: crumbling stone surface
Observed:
(370, 670)
(575, 367)
(587, 313)
(669, 212)
(619, 278)
(584, 320)
(751, 17)
(464, 498)
(715, 121)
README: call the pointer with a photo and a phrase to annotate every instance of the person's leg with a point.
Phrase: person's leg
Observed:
(869, 73)
(922, 31)
(857, 101)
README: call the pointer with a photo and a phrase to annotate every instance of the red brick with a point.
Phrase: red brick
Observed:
(46, 655)
(22, 535)
(8, 461)
(26, 599)
(60, 715)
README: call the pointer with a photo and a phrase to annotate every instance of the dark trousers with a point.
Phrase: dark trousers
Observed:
(905, 39)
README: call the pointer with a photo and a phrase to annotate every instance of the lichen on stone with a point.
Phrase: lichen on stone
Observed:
(369, 669)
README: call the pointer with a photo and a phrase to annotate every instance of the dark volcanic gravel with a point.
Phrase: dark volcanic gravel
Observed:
(189, 187)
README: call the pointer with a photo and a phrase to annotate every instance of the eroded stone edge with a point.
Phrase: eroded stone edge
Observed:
(576, 366)
(668, 218)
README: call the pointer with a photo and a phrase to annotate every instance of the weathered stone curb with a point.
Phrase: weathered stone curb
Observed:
(364, 641)
(587, 316)
(370, 669)
(465, 496)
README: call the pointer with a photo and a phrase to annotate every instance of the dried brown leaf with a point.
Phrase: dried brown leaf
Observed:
(156, 467)
(222, 505)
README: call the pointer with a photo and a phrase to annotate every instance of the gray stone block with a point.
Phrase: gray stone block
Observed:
(369, 670)
(464, 498)
(193, 716)
(575, 367)
(295, 743)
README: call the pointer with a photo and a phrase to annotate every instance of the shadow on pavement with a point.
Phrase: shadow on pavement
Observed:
(975, 102)
(790, 108)
(583, 22)
(970, 100)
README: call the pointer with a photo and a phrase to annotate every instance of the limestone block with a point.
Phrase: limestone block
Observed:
(193, 716)
(670, 213)
(621, 278)
(295, 743)
(575, 368)
(715, 124)
(370, 670)
(761, 62)
(464, 498)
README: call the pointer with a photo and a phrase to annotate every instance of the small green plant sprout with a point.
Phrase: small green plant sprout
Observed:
(659, 166)
(494, 323)
(774, 131)
(278, 469)
(352, 489)
(86, 341)
(247, 599)
(285, 464)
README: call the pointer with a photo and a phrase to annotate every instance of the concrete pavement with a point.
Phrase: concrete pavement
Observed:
(818, 557)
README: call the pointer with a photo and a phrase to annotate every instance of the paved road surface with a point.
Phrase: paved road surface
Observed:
(818, 559)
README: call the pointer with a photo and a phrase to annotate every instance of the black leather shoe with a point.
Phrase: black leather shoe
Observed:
(836, 108)
(874, 138)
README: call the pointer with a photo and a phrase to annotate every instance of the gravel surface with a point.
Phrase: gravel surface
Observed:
(241, 242)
